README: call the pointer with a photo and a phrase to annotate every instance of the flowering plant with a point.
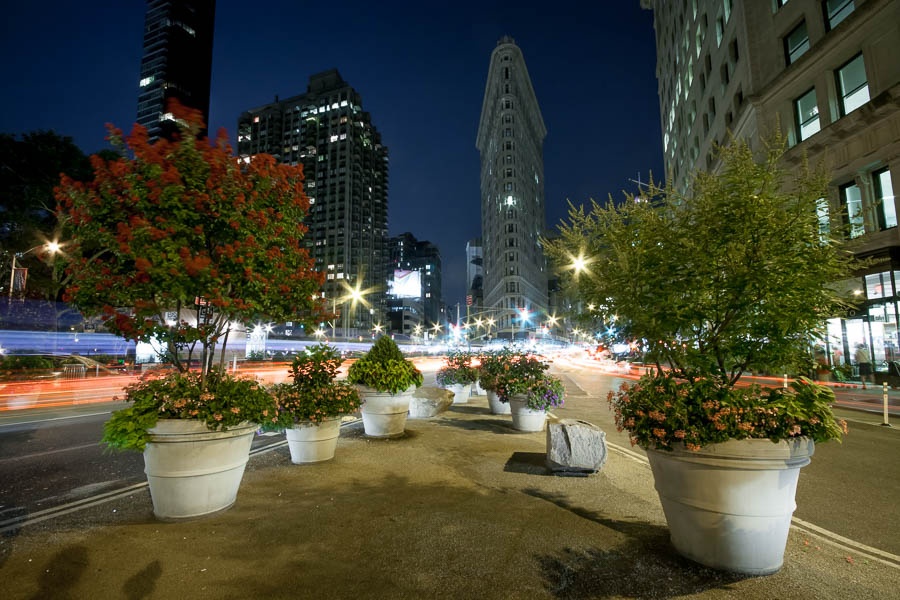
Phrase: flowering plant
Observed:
(458, 370)
(662, 411)
(226, 401)
(314, 395)
(491, 366)
(518, 374)
(545, 393)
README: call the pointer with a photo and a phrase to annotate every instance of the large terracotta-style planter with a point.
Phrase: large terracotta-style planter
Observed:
(313, 442)
(729, 505)
(497, 406)
(383, 413)
(193, 471)
(524, 418)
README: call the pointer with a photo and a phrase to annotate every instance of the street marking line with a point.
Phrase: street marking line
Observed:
(845, 543)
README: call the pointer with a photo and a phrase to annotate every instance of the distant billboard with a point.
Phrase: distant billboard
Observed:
(406, 284)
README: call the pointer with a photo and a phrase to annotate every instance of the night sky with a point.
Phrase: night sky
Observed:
(73, 66)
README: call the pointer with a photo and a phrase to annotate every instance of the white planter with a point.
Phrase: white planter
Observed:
(460, 392)
(524, 418)
(193, 471)
(729, 505)
(311, 442)
(497, 407)
(383, 413)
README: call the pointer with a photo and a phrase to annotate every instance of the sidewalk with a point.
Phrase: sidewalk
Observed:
(461, 507)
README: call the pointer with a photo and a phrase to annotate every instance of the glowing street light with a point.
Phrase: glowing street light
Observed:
(50, 248)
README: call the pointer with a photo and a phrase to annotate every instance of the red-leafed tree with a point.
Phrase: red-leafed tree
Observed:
(184, 228)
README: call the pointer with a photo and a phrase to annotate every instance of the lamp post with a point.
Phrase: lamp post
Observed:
(50, 247)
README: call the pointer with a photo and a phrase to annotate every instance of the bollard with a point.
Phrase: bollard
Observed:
(785, 381)
(884, 399)
(234, 368)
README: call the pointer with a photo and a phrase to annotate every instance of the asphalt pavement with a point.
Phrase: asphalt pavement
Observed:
(462, 506)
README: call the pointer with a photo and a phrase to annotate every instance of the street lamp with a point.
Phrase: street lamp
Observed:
(50, 247)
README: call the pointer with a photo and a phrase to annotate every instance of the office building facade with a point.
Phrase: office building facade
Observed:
(510, 141)
(177, 61)
(414, 285)
(826, 73)
(346, 178)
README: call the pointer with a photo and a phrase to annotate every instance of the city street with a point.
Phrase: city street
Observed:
(51, 458)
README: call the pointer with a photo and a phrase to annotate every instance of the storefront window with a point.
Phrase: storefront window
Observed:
(879, 286)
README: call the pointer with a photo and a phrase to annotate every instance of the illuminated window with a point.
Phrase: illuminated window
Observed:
(884, 197)
(796, 43)
(851, 208)
(853, 88)
(806, 113)
(836, 11)
(147, 80)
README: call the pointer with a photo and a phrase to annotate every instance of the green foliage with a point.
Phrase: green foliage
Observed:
(313, 394)
(732, 277)
(384, 368)
(663, 411)
(491, 365)
(225, 401)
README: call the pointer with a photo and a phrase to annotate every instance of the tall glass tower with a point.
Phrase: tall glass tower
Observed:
(510, 140)
(177, 61)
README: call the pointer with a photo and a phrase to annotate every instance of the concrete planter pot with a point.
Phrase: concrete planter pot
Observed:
(193, 471)
(497, 407)
(729, 506)
(460, 391)
(383, 413)
(313, 442)
(524, 418)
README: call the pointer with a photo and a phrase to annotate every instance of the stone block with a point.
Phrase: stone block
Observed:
(575, 447)
(429, 402)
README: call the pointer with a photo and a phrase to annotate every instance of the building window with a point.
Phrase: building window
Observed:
(824, 217)
(836, 11)
(720, 31)
(853, 89)
(884, 196)
(806, 115)
(796, 43)
(851, 209)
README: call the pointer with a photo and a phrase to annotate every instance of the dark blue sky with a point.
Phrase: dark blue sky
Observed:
(73, 66)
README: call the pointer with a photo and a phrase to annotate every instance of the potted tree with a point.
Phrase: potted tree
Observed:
(736, 276)
(173, 244)
(386, 382)
(310, 408)
(457, 375)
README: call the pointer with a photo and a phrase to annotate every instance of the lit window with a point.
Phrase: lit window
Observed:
(884, 196)
(796, 43)
(851, 208)
(147, 80)
(824, 217)
(510, 201)
(256, 119)
(853, 89)
(806, 114)
(836, 11)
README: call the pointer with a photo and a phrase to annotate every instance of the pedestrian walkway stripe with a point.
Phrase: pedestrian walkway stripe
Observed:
(831, 538)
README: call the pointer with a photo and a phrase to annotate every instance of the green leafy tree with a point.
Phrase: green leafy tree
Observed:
(182, 228)
(30, 167)
(734, 275)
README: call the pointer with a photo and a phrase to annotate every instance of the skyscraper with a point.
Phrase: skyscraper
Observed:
(826, 74)
(346, 170)
(177, 62)
(510, 140)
